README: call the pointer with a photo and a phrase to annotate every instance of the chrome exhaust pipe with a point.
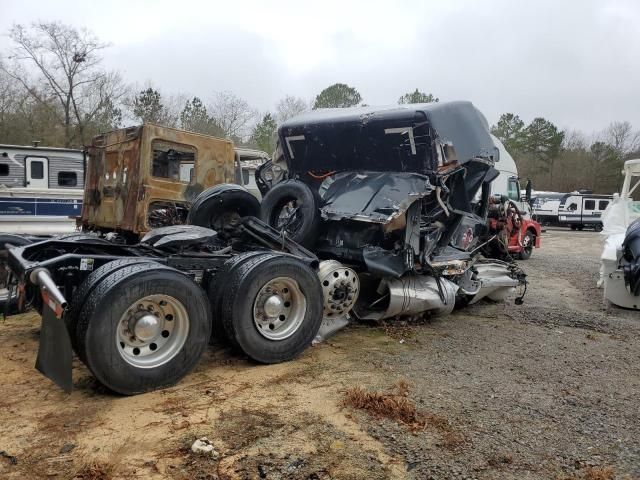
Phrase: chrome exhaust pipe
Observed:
(42, 278)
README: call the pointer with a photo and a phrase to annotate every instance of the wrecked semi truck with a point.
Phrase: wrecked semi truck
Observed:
(367, 213)
(397, 199)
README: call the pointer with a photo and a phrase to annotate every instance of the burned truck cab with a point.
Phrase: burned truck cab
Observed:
(145, 177)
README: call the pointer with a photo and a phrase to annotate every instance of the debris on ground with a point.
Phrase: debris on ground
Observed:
(13, 460)
(67, 447)
(203, 446)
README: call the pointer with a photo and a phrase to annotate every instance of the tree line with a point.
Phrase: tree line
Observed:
(54, 88)
(568, 160)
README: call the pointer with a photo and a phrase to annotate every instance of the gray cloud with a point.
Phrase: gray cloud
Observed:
(573, 62)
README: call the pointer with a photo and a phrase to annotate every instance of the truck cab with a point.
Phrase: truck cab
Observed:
(525, 232)
(145, 177)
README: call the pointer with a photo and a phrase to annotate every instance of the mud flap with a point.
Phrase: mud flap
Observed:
(54, 352)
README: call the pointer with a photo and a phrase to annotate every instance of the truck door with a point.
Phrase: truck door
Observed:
(37, 172)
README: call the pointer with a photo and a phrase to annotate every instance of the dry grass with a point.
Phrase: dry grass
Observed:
(599, 473)
(394, 404)
(94, 471)
(593, 473)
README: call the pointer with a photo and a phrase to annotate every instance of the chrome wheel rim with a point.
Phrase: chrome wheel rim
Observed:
(279, 308)
(152, 331)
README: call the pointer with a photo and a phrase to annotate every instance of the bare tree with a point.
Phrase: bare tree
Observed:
(290, 106)
(574, 140)
(58, 62)
(621, 137)
(232, 114)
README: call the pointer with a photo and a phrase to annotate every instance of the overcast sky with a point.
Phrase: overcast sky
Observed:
(576, 63)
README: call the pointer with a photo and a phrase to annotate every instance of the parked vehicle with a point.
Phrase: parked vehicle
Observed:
(578, 210)
(510, 212)
(620, 259)
(370, 212)
(545, 206)
(41, 189)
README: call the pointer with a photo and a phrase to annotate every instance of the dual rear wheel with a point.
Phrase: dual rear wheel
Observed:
(139, 325)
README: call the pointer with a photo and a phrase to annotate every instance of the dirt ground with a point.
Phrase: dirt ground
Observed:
(549, 389)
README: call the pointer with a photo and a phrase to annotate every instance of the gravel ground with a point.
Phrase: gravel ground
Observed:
(549, 389)
(546, 390)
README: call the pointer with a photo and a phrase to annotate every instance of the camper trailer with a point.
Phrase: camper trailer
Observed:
(41, 189)
(545, 206)
(579, 210)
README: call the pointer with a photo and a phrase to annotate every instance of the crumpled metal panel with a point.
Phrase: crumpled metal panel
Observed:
(177, 235)
(120, 185)
(377, 197)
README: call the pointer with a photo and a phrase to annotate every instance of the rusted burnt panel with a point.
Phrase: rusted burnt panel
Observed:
(130, 169)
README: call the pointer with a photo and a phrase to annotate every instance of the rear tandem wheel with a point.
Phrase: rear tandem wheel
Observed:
(143, 327)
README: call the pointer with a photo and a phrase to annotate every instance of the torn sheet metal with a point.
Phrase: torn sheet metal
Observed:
(178, 235)
(371, 196)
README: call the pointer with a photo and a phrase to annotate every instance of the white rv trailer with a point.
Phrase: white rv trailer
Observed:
(579, 210)
(41, 189)
(545, 206)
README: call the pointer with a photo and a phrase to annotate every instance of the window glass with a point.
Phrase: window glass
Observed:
(37, 170)
(602, 204)
(168, 158)
(512, 190)
(4, 170)
(573, 206)
(245, 176)
(67, 179)
(589, 204)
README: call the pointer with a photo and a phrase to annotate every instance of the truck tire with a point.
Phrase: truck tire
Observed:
(221, 207)
(143, 328)
(528, 242)
(274, 310)
(218, 288)
(81, 293)
(292, 206)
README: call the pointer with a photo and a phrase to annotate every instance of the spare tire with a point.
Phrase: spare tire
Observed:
(221, 207)
(293, 207)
